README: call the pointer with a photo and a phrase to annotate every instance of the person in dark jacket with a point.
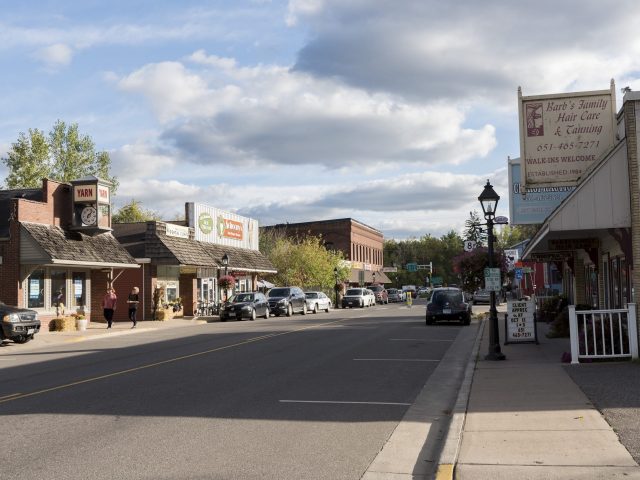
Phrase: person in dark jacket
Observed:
(133, 301)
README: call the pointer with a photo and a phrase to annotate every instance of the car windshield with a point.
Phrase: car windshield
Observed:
(440, 298)
(279, 292)
(242, 297)
(354, 291)
(311, 295)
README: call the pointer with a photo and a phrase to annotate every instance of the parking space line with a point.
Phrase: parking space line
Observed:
(394, 360)
(10, 396)
(336, 402)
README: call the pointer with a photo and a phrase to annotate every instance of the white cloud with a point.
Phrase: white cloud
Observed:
(269, 114)
(55, 56)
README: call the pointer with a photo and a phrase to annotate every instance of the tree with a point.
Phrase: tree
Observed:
(470, 267)
(132, 212)
(64, 155)
(303, 262)
(473, 229)
(510, 235)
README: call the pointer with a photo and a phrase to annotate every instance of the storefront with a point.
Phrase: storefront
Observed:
(58, 254)
(186, 261)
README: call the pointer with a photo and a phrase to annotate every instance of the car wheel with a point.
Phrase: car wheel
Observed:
(223, 318)
(21, 339)
(429, 321)
(315, 308)
(304, 308)
(253, 315)
(327, 309)
(466, 320)
(266, 313)
(289, 310)
(362, 304)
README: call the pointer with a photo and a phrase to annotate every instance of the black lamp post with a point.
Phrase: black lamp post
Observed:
(489, 201)
(335, 274)
(225, 263)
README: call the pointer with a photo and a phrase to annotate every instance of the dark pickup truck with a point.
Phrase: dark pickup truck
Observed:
(18, 324)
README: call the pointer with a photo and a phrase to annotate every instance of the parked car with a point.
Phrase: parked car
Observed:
(395, 295)
(484, 296)
(245, 305)
(317, 301)
(448, 303)
(18, 324)
(380, 293)
(287, 301)
(358, 297)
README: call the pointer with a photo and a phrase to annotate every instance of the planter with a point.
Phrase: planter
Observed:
(64, 324)
(82, 324)
(168, 313)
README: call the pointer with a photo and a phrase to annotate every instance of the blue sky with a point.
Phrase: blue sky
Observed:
(394, 113)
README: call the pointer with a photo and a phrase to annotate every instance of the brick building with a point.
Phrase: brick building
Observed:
(185, 259)
(362, 245)
(56, 249)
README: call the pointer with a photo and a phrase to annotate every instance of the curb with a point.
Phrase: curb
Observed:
(451, 448)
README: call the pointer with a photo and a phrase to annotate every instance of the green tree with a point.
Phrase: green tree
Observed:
(510, 235)
(473, 229)
(303, 262)
(132, 212)
(64, 155)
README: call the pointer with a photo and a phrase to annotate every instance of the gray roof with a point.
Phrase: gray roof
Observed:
(61, 245)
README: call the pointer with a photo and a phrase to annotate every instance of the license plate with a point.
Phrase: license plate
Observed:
(446, 311)
(350, 303)
(30, 331)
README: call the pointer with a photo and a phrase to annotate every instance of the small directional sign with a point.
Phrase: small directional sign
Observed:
(501, 220)
(469, 245)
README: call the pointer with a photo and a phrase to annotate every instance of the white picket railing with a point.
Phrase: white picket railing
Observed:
(603, 333)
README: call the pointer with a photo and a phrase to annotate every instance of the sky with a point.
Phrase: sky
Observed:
(392, 112)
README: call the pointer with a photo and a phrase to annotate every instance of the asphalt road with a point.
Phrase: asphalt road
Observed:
(311, 397)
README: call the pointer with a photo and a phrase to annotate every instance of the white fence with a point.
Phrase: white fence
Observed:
(603, 333)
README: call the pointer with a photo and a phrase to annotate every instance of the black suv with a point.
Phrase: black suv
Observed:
(448, 304)
(18, 324)
(287, 301)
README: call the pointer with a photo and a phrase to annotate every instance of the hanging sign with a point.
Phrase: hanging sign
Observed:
(520, 322)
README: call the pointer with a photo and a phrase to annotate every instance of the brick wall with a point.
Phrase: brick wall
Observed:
(188, 289)
(631, 132)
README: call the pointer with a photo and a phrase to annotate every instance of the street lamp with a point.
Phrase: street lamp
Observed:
(489, 201)
(335, 288)
(225, 263)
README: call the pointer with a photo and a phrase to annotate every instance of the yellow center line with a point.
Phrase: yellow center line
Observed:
(16, 396)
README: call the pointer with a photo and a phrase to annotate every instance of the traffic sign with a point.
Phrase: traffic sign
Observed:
(518, 273)
(412, 267)
(492, 280)
(469, 245)
(501, 220)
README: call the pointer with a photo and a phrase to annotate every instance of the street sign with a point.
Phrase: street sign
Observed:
(492, 279)
(436, 280)
(518, 273)
(412, 267)
(501, 220)
(469, 245)
(390, 269)
(428, 266)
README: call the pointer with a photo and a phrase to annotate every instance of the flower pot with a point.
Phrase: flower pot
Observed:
(82, 323)
(65, 324)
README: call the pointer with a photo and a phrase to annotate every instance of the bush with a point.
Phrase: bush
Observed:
(560, 325)
(551, 307)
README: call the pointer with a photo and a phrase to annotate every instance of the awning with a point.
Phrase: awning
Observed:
(598, 205)
(354, 276)
(51, 245)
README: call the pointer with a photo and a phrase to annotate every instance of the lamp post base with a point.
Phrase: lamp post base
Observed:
(495, 356)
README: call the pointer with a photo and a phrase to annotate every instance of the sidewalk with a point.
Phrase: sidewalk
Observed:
(527, 419)
(99, 330)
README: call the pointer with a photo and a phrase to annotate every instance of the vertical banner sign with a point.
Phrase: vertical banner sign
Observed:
(562, 135)
(520, 325)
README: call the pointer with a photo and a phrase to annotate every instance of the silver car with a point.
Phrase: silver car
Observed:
(358, 297)
(317, 301)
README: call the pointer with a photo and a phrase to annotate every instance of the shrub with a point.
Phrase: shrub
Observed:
(560, 325)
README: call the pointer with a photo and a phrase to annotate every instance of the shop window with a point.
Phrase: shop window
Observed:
(58, 288)
(171, 291)
(79, 289)
(35, 289)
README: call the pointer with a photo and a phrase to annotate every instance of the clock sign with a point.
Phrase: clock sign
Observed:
(89, 215)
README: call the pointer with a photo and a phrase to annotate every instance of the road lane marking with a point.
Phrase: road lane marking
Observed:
(393, 360)
(417, 340)
(330, 402)
(10, 396)
(163, 362)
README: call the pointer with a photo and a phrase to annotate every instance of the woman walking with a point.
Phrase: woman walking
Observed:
(133, 301)
(109, 305)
